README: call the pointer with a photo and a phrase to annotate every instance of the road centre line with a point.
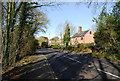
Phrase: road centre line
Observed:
(109, 73)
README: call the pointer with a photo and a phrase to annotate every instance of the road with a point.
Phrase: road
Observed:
(74, 66)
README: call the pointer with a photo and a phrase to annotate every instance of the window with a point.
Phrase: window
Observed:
(82, 38)
(90, 32)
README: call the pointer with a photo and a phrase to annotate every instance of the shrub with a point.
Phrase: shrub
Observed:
(56, 46)
(27, 49)
(70, 48)
(84, 45)
(44, 44)
(77, 51)
(80, 45)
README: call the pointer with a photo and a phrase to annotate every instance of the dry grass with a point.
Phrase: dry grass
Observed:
(26, 60)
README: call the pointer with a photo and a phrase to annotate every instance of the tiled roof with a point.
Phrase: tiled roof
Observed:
(81, 34)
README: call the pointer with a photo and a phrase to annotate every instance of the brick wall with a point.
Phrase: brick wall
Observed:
(88, 38)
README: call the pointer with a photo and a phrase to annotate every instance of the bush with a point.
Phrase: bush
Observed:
(70, 48)
(44, 44)
(55, 46)
(77, 51)
(27, 48)
(83, 46)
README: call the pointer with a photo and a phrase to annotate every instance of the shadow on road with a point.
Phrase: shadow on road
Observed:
(64, 65)
(36, 70)
(45, 53)
(66, 68)
(102, 74)
(106, 68)
(69, 69)
(113, 65)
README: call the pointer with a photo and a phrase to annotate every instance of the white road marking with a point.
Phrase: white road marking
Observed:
(107, 64)
(73, 59)
(109, 73)
(97, 69)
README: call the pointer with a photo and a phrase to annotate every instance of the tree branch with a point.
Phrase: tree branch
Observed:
(16, 11)
(49, 4)
(5, 8)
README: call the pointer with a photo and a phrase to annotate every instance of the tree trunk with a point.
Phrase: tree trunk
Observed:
(1, 32)
(66, 44)
(8, 57)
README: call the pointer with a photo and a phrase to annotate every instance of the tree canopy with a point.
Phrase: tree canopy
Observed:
(43, 39)
(108, 31)
(21, 20)
(67, 34)
(54, 39)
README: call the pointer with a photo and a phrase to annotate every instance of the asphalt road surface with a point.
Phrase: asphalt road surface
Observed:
(74, 66)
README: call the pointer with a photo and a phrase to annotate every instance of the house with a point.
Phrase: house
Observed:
(82, 36)
(54, 41)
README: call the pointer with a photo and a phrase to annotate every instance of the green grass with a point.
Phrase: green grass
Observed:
(77, 51)
(101, 56)
(31, 61)
(112, 57)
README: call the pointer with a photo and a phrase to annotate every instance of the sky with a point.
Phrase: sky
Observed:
(76, 14)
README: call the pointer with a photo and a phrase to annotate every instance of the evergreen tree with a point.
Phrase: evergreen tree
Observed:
(66, 38)
(108, 31)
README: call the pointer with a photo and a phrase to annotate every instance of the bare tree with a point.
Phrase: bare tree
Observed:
(60, 30)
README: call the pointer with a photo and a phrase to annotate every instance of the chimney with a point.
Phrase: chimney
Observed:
(79, 29)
